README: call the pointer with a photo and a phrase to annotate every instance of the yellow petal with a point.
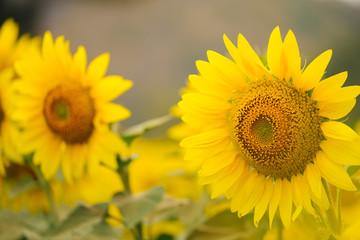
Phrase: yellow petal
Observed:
(213, 75)
(48, 47)
(228, 68)
(195, 154)
(313, 178)
(333, 173)
(202, 85)
(316, 69)
(205, 139)
(222, 184)
(235, 170)
(242, 191)
(262, 205)
(275, 199)
(66, 167)
(111, 112)
(328, 87)
(50, 159)
(234, 52)
(251, 61)
(343, 152)
(218, 162)
(297, 196)
(292, 60)
(97, 68)
(234, 189)
(335, 110)
(285, 204)
(110, 88)
(254, 191)
(339, 130)
(274, 53)
(207, 103)
(304, 188)
(79, 63)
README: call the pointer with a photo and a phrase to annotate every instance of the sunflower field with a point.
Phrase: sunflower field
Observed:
(260, 144)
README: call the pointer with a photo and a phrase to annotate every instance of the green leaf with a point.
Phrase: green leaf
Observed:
(21, 225)
(140, 129)
(352, 169)
(134, 208)
(21, 186)
(104, 232)
(80, 222)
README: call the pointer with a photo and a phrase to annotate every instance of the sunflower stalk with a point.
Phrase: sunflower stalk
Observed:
(53, 214)
(124, 174)
(332, 214)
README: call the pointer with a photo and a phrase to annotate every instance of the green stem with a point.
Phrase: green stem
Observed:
(124, 174)
(338, 205)
(318, 211)
(334, 222)
(53, 214)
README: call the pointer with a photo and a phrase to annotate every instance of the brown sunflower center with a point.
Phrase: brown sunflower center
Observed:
(69, 112)
(275, 127)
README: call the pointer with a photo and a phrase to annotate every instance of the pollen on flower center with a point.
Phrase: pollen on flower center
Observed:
(275, 127)
(69, 112)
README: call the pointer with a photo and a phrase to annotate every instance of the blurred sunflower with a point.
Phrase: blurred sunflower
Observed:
(170, 172)
(13, 48)
(266, 136)
(92, 189)
(9, 132)
(21, 188)
(64, 105)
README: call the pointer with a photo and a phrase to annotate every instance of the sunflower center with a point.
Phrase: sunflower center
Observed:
(275, 127)
(69, 112)
(262, 129)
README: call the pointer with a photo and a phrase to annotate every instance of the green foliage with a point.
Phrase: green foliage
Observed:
(140, 129)
(135, 208)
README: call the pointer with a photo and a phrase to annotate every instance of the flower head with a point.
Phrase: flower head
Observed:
(12, 48)
(9, 132)
(267, 132)
(65, 110)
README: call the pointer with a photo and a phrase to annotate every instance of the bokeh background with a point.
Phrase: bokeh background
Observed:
(155, 43)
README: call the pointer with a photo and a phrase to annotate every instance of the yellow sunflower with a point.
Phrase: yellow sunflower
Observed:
(92, 189)
(12, 48)
(267, 132)
(170, 172)
(9, 132)
(64, 109)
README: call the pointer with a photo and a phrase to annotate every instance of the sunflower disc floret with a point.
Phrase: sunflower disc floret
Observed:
(275, 127)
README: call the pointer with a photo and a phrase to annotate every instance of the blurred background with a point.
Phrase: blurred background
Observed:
(155, 43)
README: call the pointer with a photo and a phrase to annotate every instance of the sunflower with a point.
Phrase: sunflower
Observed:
(90, 189)
(9, 132)
(13, 48)
(64, 109)
(171, 171)
(268, 137)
